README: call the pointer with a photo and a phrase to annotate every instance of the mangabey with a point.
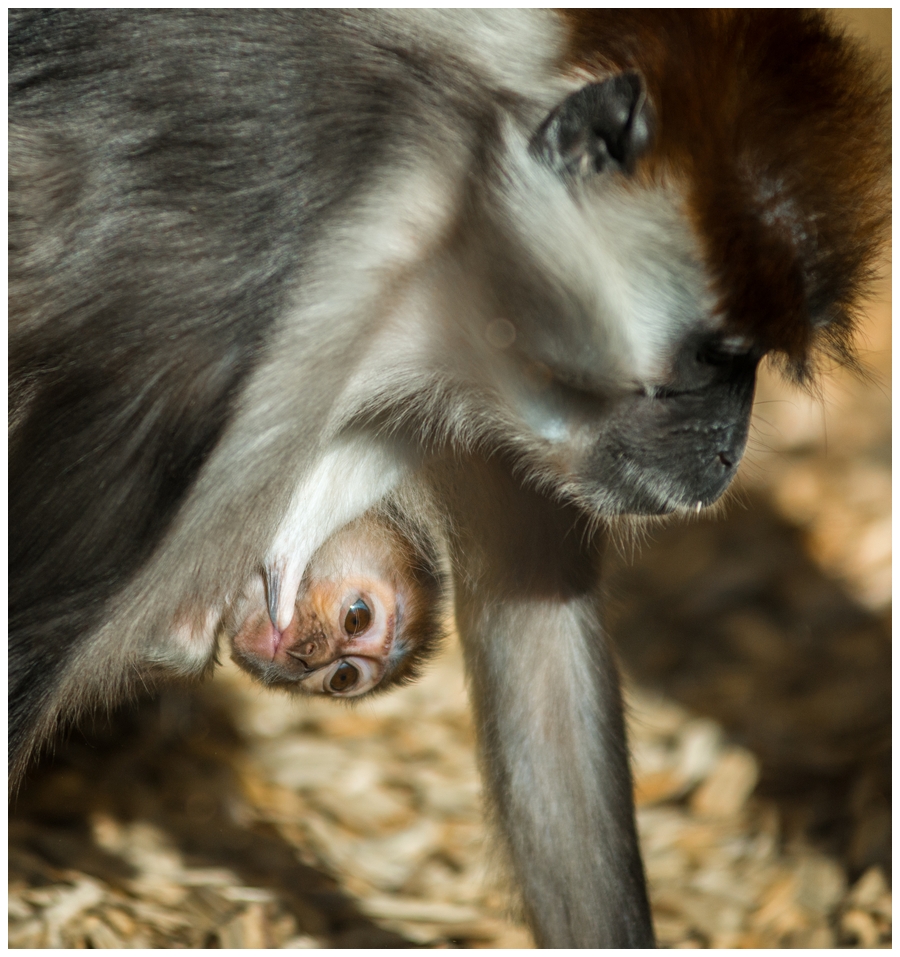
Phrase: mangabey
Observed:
(370, 609)
(266, 265)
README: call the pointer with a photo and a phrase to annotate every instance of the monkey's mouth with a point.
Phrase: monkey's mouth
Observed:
(657, 492)
(270, 673)
(684, 468)
(268, 670)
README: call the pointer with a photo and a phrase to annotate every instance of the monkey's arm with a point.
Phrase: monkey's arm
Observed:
(548, 711)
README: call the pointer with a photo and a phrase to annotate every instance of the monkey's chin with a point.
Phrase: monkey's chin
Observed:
(659, 501)
(681, 507)
(270, 673)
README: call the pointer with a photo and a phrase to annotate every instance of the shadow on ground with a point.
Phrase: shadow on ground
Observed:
(170, 761)
(732, 619)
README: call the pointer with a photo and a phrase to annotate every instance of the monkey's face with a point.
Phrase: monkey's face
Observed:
(367, 614)
(623, 382)
(636, 397)
(339, 642)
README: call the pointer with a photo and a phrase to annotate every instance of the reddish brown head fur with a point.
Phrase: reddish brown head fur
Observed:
(774, 127)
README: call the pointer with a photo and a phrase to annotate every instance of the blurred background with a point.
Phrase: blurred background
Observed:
(756, 650)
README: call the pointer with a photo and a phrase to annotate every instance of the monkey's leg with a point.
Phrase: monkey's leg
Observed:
(548, 712)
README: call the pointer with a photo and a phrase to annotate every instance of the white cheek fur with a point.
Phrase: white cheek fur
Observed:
(628, 255)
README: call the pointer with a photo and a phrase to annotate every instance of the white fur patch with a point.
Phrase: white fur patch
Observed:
(627, 256)
(348, 480)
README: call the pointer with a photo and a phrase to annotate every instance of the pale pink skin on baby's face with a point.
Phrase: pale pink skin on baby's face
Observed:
(342, 631)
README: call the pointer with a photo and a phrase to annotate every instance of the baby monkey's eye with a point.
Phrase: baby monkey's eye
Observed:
(346, 675)
(358, 618)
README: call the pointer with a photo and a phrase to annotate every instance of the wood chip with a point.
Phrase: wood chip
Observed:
(411, 909)
(860, 927)
(724, 793)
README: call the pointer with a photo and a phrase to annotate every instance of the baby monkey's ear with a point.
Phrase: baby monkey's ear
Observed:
(603, 126)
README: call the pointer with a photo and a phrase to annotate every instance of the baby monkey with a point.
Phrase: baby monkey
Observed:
(370, 610)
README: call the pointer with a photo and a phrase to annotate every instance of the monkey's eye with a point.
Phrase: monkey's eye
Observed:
(358, 618)
(345, 677)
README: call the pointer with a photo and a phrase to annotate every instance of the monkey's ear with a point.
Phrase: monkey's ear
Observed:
(602, 126)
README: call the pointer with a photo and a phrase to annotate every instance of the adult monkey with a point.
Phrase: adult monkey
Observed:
(267, 266)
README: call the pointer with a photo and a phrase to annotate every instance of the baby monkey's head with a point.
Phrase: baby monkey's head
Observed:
(370, 610)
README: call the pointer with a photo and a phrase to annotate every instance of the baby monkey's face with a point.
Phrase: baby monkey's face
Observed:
(343, 632)
(346, 636)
